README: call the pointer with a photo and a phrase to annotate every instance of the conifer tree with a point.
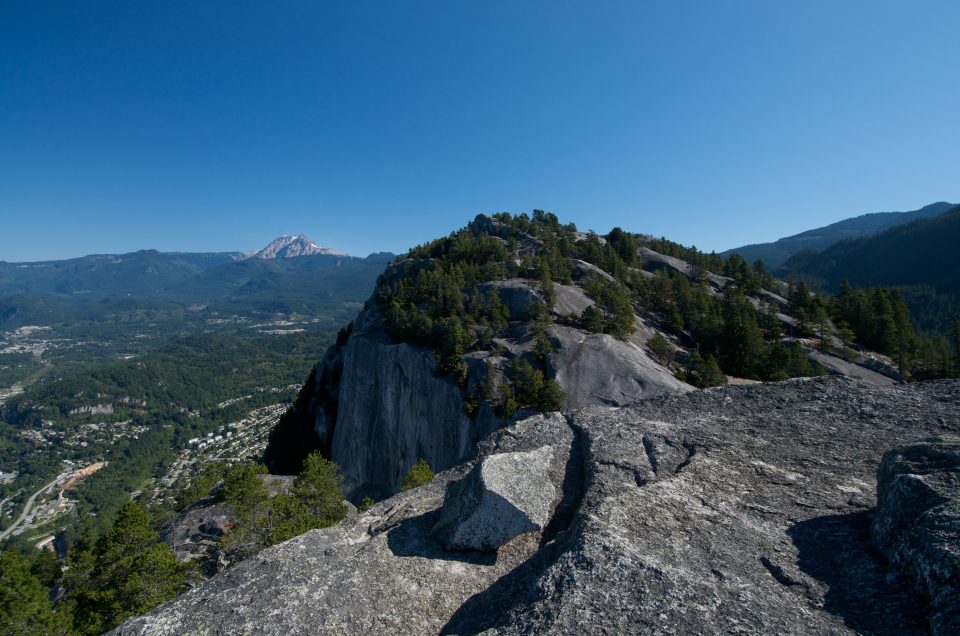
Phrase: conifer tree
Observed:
(129, 572)
(955, 337)
(741, 344)
(320, 488)
(25, 607)
(419, 474)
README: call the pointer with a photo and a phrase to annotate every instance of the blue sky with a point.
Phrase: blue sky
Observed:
(379, 125)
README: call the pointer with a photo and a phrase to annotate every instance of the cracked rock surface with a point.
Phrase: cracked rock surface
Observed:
(917, 524)
(736, 510)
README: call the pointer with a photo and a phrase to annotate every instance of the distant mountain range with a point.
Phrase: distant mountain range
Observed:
(151, 271)
(776, 253)
(290, 275)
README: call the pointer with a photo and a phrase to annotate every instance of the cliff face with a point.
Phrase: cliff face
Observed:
(375, 407)
(733, 510)
(394, 407)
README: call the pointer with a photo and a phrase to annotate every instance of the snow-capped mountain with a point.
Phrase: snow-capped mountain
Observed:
(290, 246)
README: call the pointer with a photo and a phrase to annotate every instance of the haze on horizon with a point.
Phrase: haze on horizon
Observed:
(373, 128)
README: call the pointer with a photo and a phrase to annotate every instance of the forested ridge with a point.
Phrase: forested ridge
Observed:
(919, 259)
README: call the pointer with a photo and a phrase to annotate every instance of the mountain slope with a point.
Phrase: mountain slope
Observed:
(920, 257)
(86, 288)
(774, 254)
(920, 253)
(299, 284)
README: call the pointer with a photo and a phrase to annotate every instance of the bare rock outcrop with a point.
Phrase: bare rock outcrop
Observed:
(505, 495)
(194, 535)
(408, 582)
(598, 369)
(732, 510)
(917, 525)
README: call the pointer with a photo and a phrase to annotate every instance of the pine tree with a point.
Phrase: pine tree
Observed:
(846, 335)
(550, 397)
(25, 607)
(419, 474)
(955, 337)
(128, 573)
(704, 372)
(741, 344)
(661, 349)
(592, 320)
(320, 488)
(245, 493)
(542, 347)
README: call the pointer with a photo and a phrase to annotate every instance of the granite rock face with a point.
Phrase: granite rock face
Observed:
(394, 407)
(740, 510)
(376, 407)
(505, 495)
(378, 572)
(598, 369)
(917, 525)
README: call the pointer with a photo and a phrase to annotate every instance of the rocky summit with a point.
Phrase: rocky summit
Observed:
(417, 376)
(737, 510)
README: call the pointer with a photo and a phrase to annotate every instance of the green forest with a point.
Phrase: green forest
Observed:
(126, 569)
(918, 259)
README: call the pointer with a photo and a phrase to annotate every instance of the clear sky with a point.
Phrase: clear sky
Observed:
(208, 126)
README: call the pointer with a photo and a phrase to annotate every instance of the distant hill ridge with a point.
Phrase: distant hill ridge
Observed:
(776, 253)
(919, 257)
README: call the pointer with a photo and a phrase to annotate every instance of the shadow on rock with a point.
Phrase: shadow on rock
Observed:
(411, 538)
(861, 590)
(518, 587)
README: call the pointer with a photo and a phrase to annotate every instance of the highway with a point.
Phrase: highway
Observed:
(27, 508)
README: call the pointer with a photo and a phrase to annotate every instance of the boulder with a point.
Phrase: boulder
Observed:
(194, 535)
(380, 571)
(517, 294)
(917, 525)
(505, 495)
(570, 300)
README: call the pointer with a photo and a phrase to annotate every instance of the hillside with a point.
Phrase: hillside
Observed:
(515, 314)
(920, 256)
(774, 254)
(135, 414)
(46, 292)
